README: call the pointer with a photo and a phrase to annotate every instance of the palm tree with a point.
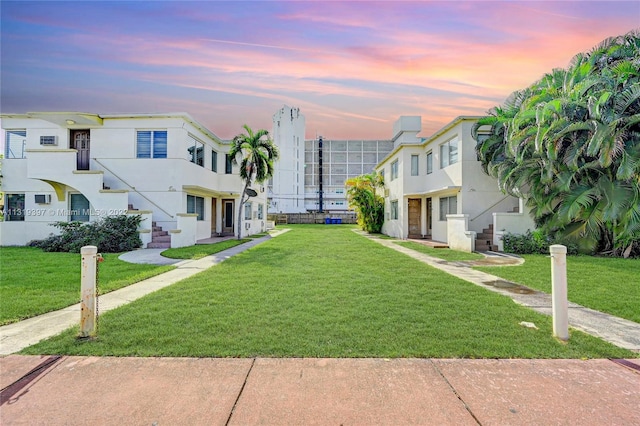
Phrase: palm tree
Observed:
(369, 205)
(257, 153)
(571, 144)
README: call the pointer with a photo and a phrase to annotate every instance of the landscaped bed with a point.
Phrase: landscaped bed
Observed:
(321, 291)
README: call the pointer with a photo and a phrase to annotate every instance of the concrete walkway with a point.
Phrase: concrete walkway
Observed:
(51, 390)
(17, 336)
(618, 331)
(68, 390)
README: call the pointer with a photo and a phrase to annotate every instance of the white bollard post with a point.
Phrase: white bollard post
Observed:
(560, 304)
(88, 291)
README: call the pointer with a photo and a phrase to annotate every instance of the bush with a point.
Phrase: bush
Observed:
(535, 242)
(113, 234)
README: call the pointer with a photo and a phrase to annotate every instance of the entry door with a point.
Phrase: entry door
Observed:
(214, 216)
(227, 218)
(415, 210)
(80, 141)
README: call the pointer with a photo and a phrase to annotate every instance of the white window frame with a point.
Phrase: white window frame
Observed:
(15, 143)
(429, 162)
(394, 209)
(14, 207)
(247, 210)
(152, 146)
(214, 161)
(448, 204)
(195, 205)
(394, 170)
(196, 151)
(449, 152)
(415, 165)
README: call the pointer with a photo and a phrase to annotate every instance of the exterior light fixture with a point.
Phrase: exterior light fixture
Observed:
(71, 122)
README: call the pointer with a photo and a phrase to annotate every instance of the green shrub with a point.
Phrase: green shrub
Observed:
(113, 234)
(535, 242)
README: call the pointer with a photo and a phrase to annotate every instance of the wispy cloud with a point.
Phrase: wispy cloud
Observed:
(352, 67)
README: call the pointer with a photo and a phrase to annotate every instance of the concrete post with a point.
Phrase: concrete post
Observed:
(560, 304)
(88, 291)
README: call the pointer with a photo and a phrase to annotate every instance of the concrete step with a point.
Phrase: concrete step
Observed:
(161, 239)
(159, 233)
(484, 236)
(158, 245)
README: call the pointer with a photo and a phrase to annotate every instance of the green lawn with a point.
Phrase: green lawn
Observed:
(320, 291)
(610, 285)
(33, 282)
(201, 250)
(441, 253)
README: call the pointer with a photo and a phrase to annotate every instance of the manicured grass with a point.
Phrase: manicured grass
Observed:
(325, 292)
(441, 253)
(201, 250)
(33, 282)
(610, 285)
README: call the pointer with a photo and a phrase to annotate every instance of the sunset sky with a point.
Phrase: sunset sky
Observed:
(351, 67)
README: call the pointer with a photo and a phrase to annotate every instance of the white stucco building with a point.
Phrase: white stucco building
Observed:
(435, 188)
(170, 169)
(295, 187)
(286, 187)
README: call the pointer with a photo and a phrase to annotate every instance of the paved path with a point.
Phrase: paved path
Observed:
(618, 331)
(71, 390)
(67, 390)
(17, 336)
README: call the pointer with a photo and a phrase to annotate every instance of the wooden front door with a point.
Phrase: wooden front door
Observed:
(80, 141)
(415, 210)
(227, 217)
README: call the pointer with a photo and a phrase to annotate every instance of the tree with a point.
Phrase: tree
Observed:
(364, 198)
(570, 145)
(257, 153)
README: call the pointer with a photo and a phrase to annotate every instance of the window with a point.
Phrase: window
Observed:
(414, 165)
(382, 174)
(79, 208)
(247, 211)
(394, 210)
(228, 164)
(260, 211)
(449, 153)
(15, 144)
(394, 170)
(152, 144)
(429, 162)
(448, 205)
(14, 208)
(214, 161)
(195, 205)
(196, 152)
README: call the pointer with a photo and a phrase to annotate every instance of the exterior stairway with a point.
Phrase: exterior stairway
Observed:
(159, 238)
(484, 240)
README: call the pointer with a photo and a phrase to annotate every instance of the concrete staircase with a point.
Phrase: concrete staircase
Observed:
(484, 240)
(159, 238)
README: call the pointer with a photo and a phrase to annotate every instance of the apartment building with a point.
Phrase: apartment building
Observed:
(63, 166)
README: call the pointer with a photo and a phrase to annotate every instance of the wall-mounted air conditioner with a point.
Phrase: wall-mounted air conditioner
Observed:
(43, 199)
(48, 140)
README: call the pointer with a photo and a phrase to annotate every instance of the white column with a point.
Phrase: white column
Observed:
(88, 291)
(560, 304)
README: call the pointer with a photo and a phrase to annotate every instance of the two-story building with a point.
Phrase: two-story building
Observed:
(63, 166)
(435, 188)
